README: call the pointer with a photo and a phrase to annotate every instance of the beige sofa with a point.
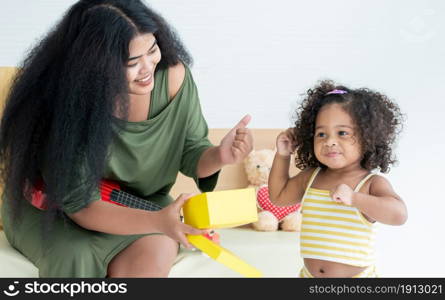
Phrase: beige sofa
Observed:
(276, 254)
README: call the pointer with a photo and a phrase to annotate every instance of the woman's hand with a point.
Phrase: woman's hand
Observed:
(171, 225)
(237, 143)
(286, 142)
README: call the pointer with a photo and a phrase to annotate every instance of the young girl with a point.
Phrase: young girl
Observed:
(340, 136)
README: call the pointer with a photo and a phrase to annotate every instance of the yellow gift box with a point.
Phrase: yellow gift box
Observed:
(221, 209)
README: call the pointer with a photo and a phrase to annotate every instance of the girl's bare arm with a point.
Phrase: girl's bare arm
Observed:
(382, 204)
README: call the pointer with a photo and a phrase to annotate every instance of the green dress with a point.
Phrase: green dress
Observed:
(145, 159)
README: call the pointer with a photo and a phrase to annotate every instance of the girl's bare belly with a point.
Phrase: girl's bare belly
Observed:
(323, 268)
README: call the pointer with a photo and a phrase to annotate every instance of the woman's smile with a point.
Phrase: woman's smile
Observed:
(145, 81)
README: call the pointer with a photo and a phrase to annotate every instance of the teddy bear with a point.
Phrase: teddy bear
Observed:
(270, 217)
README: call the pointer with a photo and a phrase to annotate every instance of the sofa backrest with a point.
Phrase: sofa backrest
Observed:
(231, 176)
(6, 75)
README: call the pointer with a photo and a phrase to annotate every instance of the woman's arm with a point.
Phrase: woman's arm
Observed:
(210, 162)
(382, 204)
(114, 219)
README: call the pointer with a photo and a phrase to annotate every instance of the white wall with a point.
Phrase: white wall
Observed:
(257, 57)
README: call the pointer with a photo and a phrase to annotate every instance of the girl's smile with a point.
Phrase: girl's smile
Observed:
(333, 154)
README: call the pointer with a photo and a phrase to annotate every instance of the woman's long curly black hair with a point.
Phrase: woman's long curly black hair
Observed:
(378, 121)
(59, 112)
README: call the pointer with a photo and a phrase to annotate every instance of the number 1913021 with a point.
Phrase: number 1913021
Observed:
(421, 288)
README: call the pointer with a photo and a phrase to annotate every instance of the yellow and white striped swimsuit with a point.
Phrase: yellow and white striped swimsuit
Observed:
(334, 231)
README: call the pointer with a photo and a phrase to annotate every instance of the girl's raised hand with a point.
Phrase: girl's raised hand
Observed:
(286, 142)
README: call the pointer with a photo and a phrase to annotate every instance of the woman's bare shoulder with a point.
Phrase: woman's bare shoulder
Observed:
(176, 75)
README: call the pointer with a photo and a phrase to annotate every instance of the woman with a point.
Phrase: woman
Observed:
(106, 94)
